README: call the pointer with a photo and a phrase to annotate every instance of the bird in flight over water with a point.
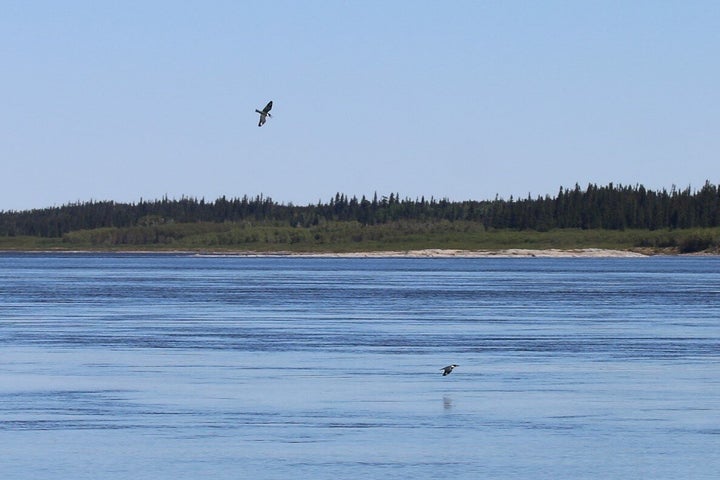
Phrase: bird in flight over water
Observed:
(448, 370)
(264, 114)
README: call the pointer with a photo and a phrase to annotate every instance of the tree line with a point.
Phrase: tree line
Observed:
(611, 207)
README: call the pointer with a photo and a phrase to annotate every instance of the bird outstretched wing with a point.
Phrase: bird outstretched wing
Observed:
(264, 113)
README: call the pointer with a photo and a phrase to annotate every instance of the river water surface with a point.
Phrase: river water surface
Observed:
(191, 367)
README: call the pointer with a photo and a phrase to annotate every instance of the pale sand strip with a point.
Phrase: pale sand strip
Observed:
(450, 253)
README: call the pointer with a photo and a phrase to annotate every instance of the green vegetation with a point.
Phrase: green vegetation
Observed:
(354, 237)
(614, 217)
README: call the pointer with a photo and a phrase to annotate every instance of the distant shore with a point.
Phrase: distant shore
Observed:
(422, 253)
(419, 253)
(347, 239)
(449, 253)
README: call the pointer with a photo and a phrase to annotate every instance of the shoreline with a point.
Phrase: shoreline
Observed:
(449, 253)
(421, 253)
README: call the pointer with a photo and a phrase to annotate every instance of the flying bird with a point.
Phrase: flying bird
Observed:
(264, 114)
(448, 370)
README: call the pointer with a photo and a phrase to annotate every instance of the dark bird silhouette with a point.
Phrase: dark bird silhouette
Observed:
(448, 370)
(264, 114)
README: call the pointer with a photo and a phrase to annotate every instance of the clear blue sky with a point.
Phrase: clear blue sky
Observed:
(139, 99)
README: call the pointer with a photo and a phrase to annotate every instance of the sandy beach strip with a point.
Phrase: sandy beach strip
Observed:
(447, 253)
(421, 253)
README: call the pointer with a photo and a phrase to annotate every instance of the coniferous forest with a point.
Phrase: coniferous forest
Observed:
(246, 221)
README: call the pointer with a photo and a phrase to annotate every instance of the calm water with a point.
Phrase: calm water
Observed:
(183, 367)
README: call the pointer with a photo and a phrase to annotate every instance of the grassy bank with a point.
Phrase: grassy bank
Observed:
(353, 237)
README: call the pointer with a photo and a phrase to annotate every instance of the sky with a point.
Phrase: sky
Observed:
(106, 100)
